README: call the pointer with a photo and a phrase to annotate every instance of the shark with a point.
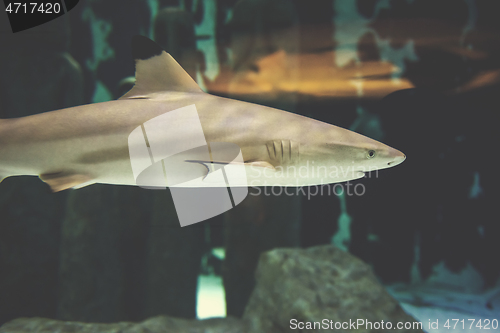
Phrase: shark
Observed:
(83, 145)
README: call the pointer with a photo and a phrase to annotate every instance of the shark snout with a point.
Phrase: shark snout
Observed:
(397, 157)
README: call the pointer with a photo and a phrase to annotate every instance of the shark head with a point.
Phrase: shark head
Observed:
(364, 154)
(333, 154)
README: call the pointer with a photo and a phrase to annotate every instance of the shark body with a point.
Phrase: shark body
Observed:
(79, 146)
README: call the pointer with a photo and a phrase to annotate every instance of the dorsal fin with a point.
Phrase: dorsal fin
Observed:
(156, 71)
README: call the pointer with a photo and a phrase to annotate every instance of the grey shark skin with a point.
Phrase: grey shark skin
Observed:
(79, 146)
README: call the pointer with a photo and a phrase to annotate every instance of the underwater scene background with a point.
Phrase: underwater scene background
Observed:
(421, 76)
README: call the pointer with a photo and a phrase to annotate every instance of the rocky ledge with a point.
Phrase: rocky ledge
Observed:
(296, 288)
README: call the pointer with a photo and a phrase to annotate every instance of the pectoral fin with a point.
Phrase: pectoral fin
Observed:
(59, 181)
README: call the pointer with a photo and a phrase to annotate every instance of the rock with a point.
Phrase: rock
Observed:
(307, 285)
(260, 223)
(318, 283)
(161, 324)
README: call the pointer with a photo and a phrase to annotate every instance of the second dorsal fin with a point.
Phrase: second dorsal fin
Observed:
(156, 71)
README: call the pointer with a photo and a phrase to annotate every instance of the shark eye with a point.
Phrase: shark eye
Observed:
(370, 154)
